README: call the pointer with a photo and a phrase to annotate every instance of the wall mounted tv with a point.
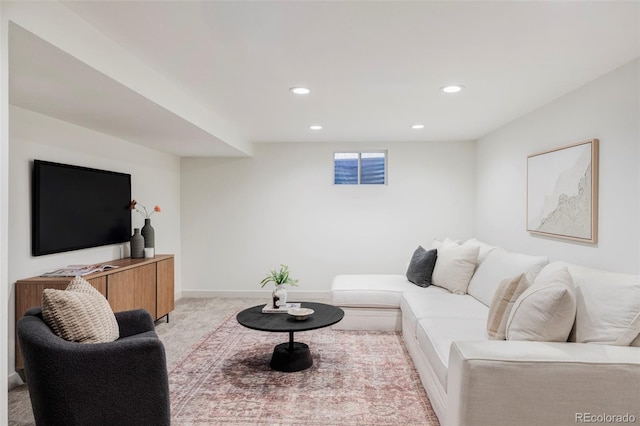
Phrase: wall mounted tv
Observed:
(77, 207)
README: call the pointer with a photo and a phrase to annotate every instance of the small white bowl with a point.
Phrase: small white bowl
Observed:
(300, 313)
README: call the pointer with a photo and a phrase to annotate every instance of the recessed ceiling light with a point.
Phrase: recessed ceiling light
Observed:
(418, 126)
(454, 88)
(300, 90)
(315, 127)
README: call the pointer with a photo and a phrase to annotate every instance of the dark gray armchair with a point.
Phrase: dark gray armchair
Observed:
(118, 384)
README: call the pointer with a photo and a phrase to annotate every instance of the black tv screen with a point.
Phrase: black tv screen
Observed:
(77, 207)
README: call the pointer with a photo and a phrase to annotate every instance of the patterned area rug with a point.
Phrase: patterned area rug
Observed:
(357, 378)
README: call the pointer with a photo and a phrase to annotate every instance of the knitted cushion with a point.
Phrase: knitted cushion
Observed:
(79, 313)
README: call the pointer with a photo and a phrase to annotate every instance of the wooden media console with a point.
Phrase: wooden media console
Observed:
(135, 284)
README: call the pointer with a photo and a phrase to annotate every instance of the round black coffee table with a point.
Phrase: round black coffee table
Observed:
(291, 356)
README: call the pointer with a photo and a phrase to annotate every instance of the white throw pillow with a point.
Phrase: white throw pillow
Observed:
(546, 311)
(608, 304)
(436, 244)
(499, 265)
(485, 248)
(455, 266)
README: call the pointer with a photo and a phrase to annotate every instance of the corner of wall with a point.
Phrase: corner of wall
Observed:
(4, 207)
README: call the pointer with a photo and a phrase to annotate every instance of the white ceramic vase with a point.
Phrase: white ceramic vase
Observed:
(279, 295)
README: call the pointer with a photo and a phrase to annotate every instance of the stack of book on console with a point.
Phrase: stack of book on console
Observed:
(269, 309)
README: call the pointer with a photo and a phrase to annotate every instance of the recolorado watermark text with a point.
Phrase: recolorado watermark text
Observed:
(605, 418)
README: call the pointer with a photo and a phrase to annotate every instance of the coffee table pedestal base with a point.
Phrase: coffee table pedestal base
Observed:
(291, 356)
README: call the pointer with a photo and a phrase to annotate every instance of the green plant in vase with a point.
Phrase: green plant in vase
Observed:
(280, 278)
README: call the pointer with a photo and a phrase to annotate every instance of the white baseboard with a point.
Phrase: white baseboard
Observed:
(291, 295)
(14, 380)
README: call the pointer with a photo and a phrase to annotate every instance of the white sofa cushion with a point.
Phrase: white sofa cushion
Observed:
(500, 265)
(435, 335)
(455, 266)
(545, 311)
(445, 305)
(608, 305)
(373, 291)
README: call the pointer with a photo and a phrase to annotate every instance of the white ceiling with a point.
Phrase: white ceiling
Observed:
(374, 68)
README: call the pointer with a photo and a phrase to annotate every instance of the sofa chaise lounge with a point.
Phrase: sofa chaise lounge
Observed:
(586, 368)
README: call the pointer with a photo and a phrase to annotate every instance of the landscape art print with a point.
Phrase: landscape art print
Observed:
(562, 192)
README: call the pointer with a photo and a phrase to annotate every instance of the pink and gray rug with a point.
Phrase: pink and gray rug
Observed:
(358, 378)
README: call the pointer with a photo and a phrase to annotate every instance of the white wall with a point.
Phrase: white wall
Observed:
(4, 208)
(241, 217)
(155, 179)
(607, 109)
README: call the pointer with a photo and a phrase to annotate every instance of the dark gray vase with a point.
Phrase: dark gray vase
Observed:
(137, 244)
(149, 234)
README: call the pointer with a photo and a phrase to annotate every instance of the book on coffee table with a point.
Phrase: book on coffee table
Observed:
(269, 309)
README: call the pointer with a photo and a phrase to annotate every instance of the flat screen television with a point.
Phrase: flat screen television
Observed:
(77, 207)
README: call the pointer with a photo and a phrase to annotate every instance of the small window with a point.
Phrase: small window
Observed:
(360, 168)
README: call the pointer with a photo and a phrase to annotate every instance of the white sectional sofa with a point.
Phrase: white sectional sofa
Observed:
(472, 380)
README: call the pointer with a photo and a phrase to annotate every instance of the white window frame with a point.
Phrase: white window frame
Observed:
(359, 153)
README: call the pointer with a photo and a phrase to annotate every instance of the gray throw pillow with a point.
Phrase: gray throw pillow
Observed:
(421, 266)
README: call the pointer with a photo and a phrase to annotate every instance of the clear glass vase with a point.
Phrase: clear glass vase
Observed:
(279, 295)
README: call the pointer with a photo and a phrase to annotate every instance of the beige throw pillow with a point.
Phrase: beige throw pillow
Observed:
(79, 313)
(504, 298)
(546, 311)
(455, 266)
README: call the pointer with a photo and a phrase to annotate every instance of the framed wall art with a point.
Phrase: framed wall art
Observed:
(562, 192)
